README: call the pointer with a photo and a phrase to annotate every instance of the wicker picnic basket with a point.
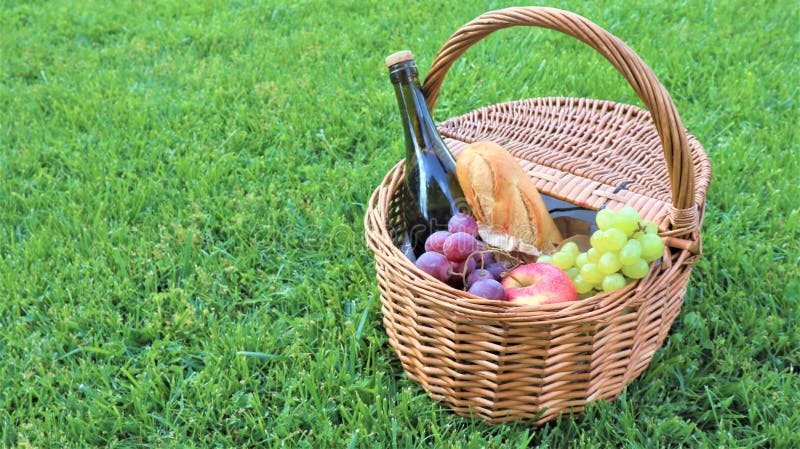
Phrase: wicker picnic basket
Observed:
(503, 362)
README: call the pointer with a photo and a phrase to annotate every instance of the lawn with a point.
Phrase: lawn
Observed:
(182, 190)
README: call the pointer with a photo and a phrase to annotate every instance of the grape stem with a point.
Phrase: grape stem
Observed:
(517, 261)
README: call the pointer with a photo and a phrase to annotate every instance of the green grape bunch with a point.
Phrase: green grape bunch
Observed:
(622, 250)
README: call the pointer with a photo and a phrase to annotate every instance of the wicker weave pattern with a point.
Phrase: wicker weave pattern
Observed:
(590, 152)
(504, 362)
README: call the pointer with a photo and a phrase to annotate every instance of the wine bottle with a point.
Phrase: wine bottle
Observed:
(431, 192)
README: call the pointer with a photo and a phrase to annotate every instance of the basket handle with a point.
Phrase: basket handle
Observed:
(629, 64)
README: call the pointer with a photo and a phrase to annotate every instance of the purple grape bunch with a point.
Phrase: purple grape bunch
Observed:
(457, 257)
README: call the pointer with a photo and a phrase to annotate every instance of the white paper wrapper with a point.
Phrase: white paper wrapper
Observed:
(510, 244)
(519, 251)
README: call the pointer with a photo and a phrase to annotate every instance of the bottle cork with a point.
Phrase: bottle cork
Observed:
(400, 56)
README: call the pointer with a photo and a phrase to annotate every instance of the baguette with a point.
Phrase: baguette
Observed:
(502, 196)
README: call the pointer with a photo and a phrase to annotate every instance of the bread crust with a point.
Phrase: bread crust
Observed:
(503, 196)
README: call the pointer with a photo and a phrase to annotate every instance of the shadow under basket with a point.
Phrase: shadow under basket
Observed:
(505, 362)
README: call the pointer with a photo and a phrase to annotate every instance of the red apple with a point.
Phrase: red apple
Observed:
(539, 283)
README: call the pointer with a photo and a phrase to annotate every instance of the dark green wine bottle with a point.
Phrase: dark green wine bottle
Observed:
(431, 190)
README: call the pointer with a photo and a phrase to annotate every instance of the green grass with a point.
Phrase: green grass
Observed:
(182, 188)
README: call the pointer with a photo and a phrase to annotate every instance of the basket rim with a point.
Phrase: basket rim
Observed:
(589, 310)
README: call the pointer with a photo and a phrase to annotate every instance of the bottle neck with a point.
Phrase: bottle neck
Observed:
(420, 130)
